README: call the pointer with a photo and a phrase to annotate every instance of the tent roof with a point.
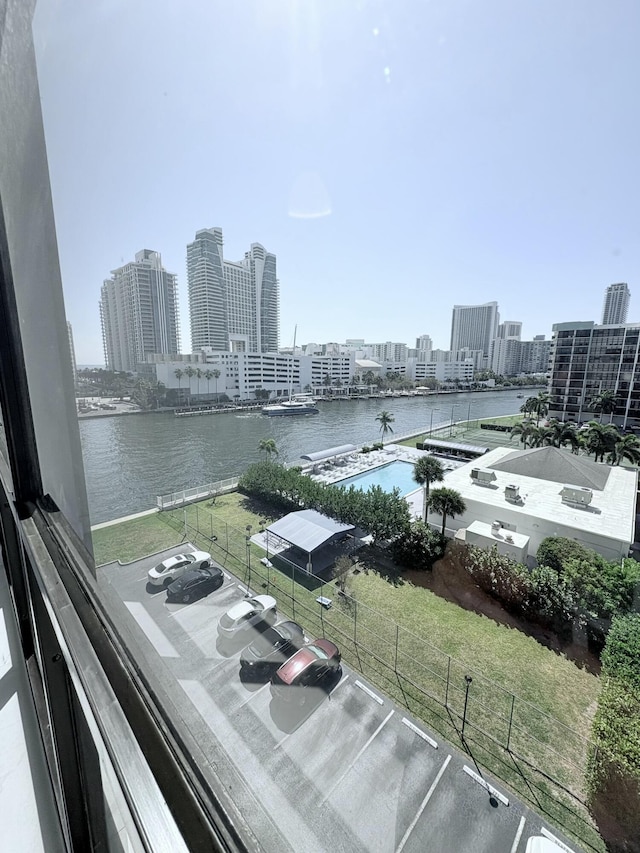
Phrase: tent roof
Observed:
(555, 465)
(326, 454)
(451, 445)
(308, 529)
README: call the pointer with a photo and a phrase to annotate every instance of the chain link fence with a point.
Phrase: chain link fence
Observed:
(422, 677)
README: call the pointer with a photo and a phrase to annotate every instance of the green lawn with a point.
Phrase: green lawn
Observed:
(401, 636)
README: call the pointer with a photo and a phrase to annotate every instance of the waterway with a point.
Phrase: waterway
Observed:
(131, 459)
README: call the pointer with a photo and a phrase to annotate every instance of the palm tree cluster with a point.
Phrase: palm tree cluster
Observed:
(603, 440)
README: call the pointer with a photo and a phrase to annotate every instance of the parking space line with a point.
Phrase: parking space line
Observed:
(486, 785)
(339, 684)
(152, 630)
(228, 577)
(251, 696)
(419, 732)
(362, 749)
(369, 692)
(423, 806)
(555, 840)
(516, 840)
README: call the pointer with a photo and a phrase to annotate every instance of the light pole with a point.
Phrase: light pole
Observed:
(248, 540)
(451, 421)
(431, 420)
(468, 681)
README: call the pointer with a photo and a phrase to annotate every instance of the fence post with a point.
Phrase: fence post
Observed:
(446, 696)
(395, 665)
(226, 529)
(513, 701)
(355, 621)
(293, 595)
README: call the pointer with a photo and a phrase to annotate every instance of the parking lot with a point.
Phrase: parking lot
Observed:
(343, 769)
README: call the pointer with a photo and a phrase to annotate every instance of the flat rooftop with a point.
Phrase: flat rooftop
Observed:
(611, 513)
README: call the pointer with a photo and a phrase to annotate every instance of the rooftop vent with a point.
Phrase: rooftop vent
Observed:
(482, 476)
(577, 495)
(512, 493)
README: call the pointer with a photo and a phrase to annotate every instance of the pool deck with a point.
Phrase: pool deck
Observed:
(333, 471)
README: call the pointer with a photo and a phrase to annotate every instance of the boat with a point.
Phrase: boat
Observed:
(299, 404)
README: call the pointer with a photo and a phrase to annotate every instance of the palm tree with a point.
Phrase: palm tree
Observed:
(537, 436)
(190, 372)
(427, 470)
(178, 374)
(560, 433)
(626, 447)
(524, 430)
(216, 376)
(208, 375)
(528, 407)
(600, 439)
(198, 377)
(604, 403)
(268, 447)
(540, 405)
(386, 419)
(446, 502)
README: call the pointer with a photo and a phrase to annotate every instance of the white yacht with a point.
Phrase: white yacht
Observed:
(299, 405)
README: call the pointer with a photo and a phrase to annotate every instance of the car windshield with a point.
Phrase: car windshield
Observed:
(318, 652)
(265, 643)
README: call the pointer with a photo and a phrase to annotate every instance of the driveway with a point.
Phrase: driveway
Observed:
(347, 770)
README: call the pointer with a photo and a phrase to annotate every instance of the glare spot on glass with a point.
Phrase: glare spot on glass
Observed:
(387, 74)
(309, 198)
(376, 31)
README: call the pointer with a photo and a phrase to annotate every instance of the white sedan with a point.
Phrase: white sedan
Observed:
(173, 567)
(256, 613)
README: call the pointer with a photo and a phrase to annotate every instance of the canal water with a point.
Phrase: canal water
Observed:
(131, 459)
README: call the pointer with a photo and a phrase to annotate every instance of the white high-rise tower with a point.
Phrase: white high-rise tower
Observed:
(473, 327)
(139, 312)
(232, 305)
(616, 304)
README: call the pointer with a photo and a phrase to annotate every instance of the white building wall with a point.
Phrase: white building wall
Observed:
(535, 528)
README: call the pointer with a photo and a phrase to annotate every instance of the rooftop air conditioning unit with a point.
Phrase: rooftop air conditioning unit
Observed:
(576, 495)
(512, 493)
(482, 476)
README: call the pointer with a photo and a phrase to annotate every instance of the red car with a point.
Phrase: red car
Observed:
(312, 666)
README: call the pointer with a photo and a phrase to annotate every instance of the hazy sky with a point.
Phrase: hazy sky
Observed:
(398, 156)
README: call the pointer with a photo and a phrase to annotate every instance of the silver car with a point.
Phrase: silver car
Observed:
(173, 567)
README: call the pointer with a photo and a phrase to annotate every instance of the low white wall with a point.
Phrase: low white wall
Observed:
(536, 529)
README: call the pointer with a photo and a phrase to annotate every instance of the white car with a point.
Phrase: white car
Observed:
(173, 567)
(258, 613)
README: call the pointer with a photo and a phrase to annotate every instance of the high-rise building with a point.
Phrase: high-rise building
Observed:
(616, 304)
(586, 360)
(474, 327)
(139, 312)
(233, 306)
(510, 330)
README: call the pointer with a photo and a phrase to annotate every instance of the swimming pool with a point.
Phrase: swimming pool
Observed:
(396, 473)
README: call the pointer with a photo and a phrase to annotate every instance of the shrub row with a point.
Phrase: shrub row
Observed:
(613, 775)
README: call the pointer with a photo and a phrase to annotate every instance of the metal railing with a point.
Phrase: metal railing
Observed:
(197, 493)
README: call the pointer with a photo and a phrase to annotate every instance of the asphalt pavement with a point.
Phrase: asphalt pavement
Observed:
(342, 769)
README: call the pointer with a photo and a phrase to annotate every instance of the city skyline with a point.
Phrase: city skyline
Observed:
(396, 159)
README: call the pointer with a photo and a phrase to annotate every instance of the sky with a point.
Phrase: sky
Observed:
(398, 156)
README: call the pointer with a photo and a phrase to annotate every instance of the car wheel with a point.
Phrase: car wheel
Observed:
(186, 597)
